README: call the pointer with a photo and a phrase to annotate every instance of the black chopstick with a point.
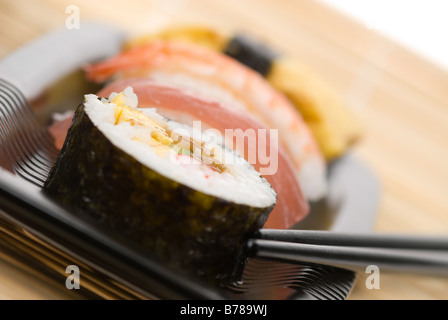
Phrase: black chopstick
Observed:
(422, 254)
(375, 240)
(420, 261)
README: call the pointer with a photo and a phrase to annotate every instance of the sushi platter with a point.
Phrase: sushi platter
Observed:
(50, 60)
(37, 221)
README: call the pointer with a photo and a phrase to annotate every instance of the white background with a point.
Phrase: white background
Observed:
(419, 25)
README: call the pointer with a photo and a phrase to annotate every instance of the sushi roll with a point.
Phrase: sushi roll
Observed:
(260, 150)
(177, 193)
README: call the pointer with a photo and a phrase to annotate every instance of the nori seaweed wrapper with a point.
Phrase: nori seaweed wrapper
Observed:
(251, 53)
(188, 229)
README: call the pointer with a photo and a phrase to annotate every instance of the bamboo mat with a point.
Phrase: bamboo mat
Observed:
(401, 99)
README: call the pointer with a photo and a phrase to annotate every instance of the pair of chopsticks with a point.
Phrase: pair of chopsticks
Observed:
(408, 253)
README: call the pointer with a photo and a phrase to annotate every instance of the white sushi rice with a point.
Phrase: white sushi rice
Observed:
(240, 184)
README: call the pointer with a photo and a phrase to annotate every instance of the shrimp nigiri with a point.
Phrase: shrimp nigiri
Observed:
(219, 77)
